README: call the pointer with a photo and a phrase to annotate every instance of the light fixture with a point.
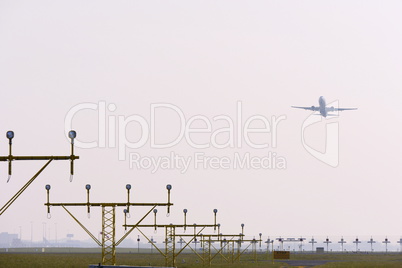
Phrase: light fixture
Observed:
(215, 211)
(88, 187)
(125, 219)
(72, 135)
(168, 187)
(185, 219)
(155, 211)
(128, 187)
(47, 187)
(10, 135)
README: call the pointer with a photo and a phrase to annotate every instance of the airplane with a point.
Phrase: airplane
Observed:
(323, 109)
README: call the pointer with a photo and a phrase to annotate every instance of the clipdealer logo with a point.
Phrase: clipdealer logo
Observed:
(239, 132)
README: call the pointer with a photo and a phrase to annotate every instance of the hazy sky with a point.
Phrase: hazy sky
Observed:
(205, 58)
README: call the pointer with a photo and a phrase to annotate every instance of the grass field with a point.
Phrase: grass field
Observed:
(22, 260)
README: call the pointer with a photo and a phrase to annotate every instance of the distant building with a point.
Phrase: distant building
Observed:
(9, 240)
(319, 250)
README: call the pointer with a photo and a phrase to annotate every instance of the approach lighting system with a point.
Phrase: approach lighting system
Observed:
(10, 158)
(72, 135)
(185, 219)
(128, 187)
(88, 187)
(357, 242)
(386, 242)
(215, 211)
(10, 136)
(342, 241)
(155, 211)
(327, 241)
(125, 211)
(47, 187)
(168, 187)
(108, 242)
(371, 241)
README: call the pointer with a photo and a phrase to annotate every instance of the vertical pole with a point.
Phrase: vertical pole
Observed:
(72, 161)
(185, 219)
(72, 135)
(312, 245)
(128, 187)
(9, 160)
(168, 187)
(215, 211)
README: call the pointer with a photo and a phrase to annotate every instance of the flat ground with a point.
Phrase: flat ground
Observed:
(81, 260)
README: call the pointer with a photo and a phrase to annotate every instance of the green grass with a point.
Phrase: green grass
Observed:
(187, 260)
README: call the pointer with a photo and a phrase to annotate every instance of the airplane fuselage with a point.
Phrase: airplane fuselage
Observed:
(322, 108)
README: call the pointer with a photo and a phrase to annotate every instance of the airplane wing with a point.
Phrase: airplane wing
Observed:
(311, 108)
(344, 109)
